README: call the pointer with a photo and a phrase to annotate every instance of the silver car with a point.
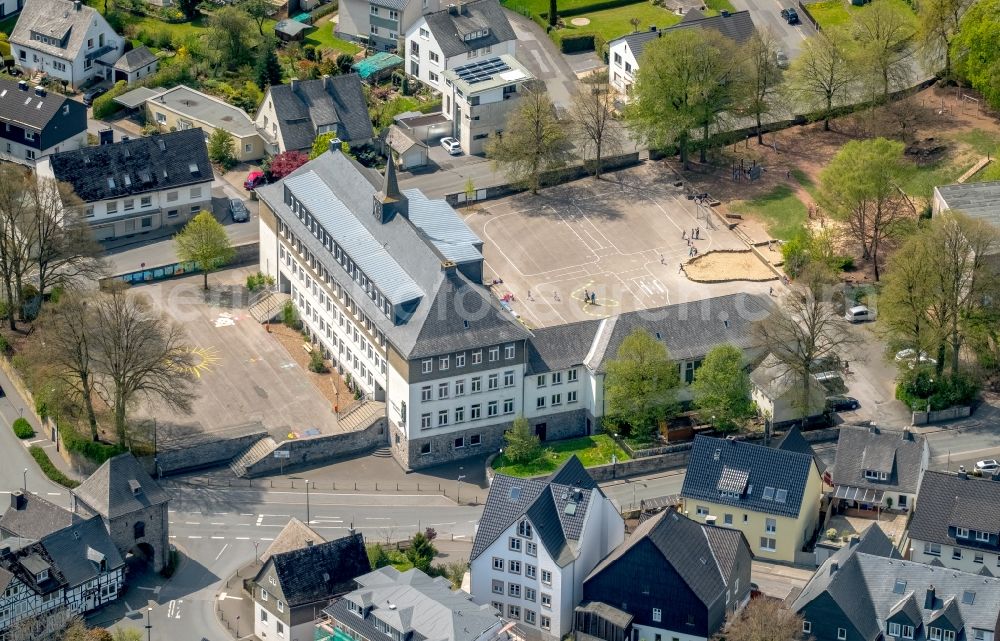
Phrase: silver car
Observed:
(452, 146)
(239, 210)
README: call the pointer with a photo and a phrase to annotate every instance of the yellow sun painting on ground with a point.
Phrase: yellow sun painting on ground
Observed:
(202, 360)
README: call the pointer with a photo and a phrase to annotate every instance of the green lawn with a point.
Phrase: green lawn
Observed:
(715, 6)
(614, 23)
(983, 142)
(591, 450)
(542, 6)
(322, 37)
(920, 180)
(838, 13)
(782, 212)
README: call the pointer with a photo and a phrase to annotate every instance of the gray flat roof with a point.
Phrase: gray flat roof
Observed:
(208, 109)
(978, 200)
(291, 27)
(509, 71)
(134, 98)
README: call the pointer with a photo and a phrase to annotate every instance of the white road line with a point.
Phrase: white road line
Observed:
(216, 523)
(243, 538)
(173, 536)
(218, 538)
(376, 518)
(54, 493)
(221, 551)
(242, 514)
(267, 539)
(194, 537)
(191, 523)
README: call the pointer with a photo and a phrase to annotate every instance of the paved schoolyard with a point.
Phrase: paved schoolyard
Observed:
(619, 237)
(243, 374)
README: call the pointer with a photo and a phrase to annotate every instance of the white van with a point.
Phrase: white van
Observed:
(859, 314)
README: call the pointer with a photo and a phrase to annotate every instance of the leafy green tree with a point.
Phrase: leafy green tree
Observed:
(204, 240)
(258, 10)
(421, 552)
(533, 142)
(189, 8)
(641, 384)
(231, 33)
(268, 69)
(821, 75)
(522, 444)
(344, 62)
(860, 187)
(938, 22)
(883, 32)
(222, 148)
(760, 77)
(686, 79)
(377, 556)
(974, 49)
(721, 388)
(322, 144)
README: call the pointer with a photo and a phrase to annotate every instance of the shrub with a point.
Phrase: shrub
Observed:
(4, 345)
(290, 316)
(22, 428)
(105, 106)
(831, 534)
(316, 362)
(920, 387)
(88, 448)
(260, 280)
(50, 470)
(523, 446)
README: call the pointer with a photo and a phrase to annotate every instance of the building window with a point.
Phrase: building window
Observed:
(728, 519)
(530, 571)
(907, 631)
(514, 611)
(433, 56)
(980, 536)
(494, 353)
(280, 627)
(807, 627)
(139, 530)
(508, 406)
(89, 212)
(460, 417)
(374, 30)
(146, 201)
(701, 510)
(477, 357)
(196, 192)
(556, 399)
(545, 622)
(442, 418)
(459, 443)
(444, 362)
(29, 135)
(524, 529)
(460, 360)
(374, 10)
(427, 365)
(540, 402)
(425, 393)
(546, 579)
(841, 634)
(171, 196)
(477, 384)
(767, 544)
(933, 549)
(508, 351)
(112, 207)
(514, 544)
(546, 599)
(894, 630)
(977, 557)
(442, 390)
(618, 59)
(540, 381)
(433, 77)
(425, 421)
(281, 606)
(557, 378)
(425, 448)
(514, 590)
(960, 532)
(475, 439)
(497, 587)
(508, 379)
(514, 567)
(771, 526)
(493, 408)
(657, 615)
(475, 412)
(532, 549)
(571, 397)
(263, 615)
(493, 382)
(571, 376)
(956, 554)
(498, 564)
(529, 616)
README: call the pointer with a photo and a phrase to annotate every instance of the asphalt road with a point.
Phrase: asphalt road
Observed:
(767, 14)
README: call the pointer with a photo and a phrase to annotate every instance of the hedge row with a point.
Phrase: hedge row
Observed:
(83, 445)
(597, 6)
(573, 43)
(51, 471)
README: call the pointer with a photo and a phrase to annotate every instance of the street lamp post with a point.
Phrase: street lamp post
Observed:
(307, 502)
(25, 480)
(256, 555)
(149, 625)
(458, 497)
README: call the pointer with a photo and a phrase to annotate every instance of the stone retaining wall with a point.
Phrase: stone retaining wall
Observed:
(322, 449)
(214, 449)
(923, 418)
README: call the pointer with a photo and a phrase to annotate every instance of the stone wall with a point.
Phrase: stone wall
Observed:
(322, 449)
(156, 535)
(923, 418)
(211, 449)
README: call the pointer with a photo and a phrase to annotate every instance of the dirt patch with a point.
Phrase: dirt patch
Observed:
(331, 385)
(715, 267)
(926, 151)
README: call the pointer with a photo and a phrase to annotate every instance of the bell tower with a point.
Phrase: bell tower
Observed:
(389, 201)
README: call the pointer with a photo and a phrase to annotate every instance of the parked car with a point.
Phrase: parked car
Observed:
(910, 357)
(832, 381)
(239, 210)
(989, 465)
(452, 146)
(859, 314)
(92, 94)
(790, 15)
(254, 179)
(840, 403)
(781, 59)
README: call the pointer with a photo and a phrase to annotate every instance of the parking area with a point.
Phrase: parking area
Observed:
(619, 238)
(243, 374)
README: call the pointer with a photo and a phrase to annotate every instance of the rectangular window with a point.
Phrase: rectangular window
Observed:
(807, 627)
(894, 630)
(508, 379)
(475, 412)
(771, 526)
(146, 201)
(727, 519)
(841, 634)
(949, 635)
(494, 354)
(427, 365)
(514, 544)
(956, 554)
(433, 56)
(932, 549)
(571, 376)
(425, 393)
(498, 564)
(529, 616)
(960, 532)
(657, 615)
(497, 587)
(907, 631)
(477, 357)
(545, 622)
(514, 611)
(514, 567)
(540, 381)
(442, 390)
(425, 421)
(557, 378)
(514, 590)
(460, 360)
(459, 443)
(508, 406)
(493, 408)
(508, 351)
(977, 557)
(460, 416)
(540, 402)
(113, 207)
(767, 544)
(196, 192)
(477, 384)
(556, 399)
(530, 571)
(442, 418)
(475, 439)
(547, 580)
(493, 382)
(701, 510)
(546, 599)
(129, 204)
(532, 549)
(444, 362)
(571, 397)
(982, 536)
(171, 196)
(460, 388)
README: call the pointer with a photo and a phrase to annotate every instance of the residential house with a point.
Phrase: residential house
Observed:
(878, 470)
(36, 123)
(479, 96)
(957, 522)
(292, 115)
(380, 23)
(183, 108)
(10, 7)
(779, 396)
(138, 185)
(537, 541)
(625, 53)
(132, 506)
(673, 578)
(66, 40)
(866, 593)
(455, 36)
(793, 441)
(295, 583)
(54, 563)
(409, 152)
(771, 495)
(410, 605)
(135, 65)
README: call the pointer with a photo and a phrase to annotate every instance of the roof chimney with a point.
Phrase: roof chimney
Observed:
(453, 9)
(961, 472)
(335, 145)
(652, 27)
(931, 599)
(309, 543)
(40, 91)
(294, 84)
(106, 136)
(854, 541)
(18, 500)
(76, 5)
(834, 567)
(22, 85)
(724, 13)
(907, 435)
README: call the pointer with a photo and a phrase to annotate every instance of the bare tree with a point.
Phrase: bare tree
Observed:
(765, 620)
(65, 249)
(69, 342)
(806, 329)
(593, 117)
(760, 76)
(883, 33)
(822, 74)
(139, 353)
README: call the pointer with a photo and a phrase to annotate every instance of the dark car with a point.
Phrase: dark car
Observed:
(239, 210)
(92, 94)
(790, 15)
(842, 403)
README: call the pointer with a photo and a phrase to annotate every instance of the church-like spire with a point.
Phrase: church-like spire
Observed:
(389, 200)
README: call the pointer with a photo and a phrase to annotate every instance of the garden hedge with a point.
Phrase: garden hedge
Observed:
(51, 471)
(22, 428)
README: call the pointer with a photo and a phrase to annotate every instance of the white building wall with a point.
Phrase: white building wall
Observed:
(24, 155)
(418, 34)
(186, 197)
(649, 633)
(267, 630)
(72, 68)
(267, 123)
(622, 67)
(990, 560)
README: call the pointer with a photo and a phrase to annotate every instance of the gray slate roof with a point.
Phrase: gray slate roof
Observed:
(703, 555)
(136, 166)
(978, 200)
(136, 59)
(689, 330)
(473, 16)
(38, 518)
(399, 245)
(335, 103)
(57, 19)
(737, 26)
(561, 346)
(293, 536)
(947, 499)
(24, 107)
(544, 503)
(108, 491)
(860, 449)
(427, 607)
(321, 571)
(739, 473)
(869, 588)
(793, 441)
(77, 551)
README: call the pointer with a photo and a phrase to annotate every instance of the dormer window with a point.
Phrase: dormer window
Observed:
(962, 533)
(42, 576)
(874, 475)
(983, 536)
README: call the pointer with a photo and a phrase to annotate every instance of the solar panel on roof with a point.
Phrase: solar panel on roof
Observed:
(475, 72)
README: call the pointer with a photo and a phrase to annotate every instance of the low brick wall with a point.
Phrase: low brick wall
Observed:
(323, 449)
(950, 414)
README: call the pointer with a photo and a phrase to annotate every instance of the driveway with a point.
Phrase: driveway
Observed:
(541, 56)
(767, 14)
